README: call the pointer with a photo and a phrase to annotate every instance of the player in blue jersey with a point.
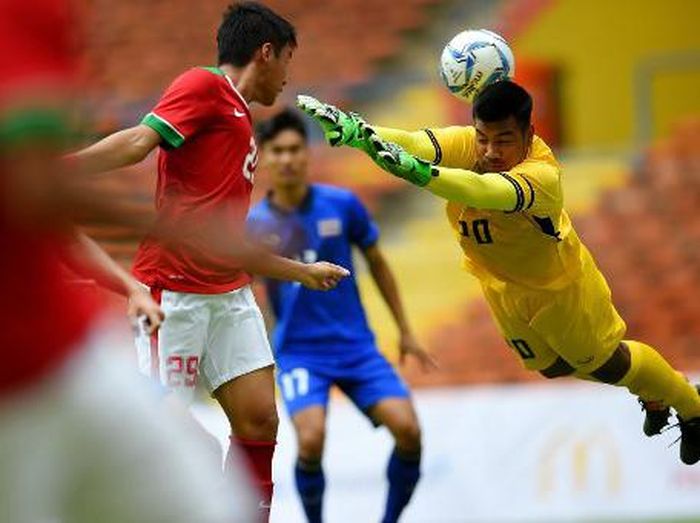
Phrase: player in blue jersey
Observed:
(323, 339)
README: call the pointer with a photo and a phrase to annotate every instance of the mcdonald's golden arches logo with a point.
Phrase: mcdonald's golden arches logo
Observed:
(574, 452)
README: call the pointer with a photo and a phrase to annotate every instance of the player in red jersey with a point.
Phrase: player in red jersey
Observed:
(214, 330)
(80, 438)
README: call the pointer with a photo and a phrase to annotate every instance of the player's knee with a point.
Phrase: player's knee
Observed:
(407, 434)
(616, 367)
(310, 441)
(259, 424)
(558, 369)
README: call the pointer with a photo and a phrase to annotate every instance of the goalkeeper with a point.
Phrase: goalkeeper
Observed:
(504, 201)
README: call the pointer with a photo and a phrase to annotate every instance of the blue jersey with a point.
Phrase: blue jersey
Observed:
(326, 225)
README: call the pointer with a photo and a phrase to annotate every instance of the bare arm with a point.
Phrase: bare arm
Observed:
(117, 150)
(90, 260)
(386, 283)
(132, 145)
(260, 261)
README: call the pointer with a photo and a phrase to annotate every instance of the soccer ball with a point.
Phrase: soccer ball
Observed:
(474, 59)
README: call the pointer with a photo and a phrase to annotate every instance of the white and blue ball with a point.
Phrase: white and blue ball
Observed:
(474, 59)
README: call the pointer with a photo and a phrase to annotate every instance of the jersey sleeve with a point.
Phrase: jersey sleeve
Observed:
(185, 107)
(362, 229)
(454, 146)
(537, 186)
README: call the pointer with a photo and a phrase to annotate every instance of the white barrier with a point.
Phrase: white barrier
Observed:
(550, 452)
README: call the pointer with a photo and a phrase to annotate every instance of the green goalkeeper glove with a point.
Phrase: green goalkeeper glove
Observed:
(394, 159)
(338, 127)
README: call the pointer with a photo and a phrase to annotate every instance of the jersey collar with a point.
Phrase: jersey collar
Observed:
(235, 91)
(219, 72)
(303, 207)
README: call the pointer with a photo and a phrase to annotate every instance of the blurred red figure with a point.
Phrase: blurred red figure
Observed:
(82, 438)
(207, 157)
(38, 310)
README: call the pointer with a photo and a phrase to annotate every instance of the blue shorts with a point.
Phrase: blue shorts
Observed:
(365, 376)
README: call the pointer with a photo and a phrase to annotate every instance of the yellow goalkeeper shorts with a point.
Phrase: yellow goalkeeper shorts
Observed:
(578, 323)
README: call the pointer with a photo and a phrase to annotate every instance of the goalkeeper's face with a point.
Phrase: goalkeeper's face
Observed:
(286, 158)
(501, 145)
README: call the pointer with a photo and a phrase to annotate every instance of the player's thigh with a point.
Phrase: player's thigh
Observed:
(310, 427)
(510, 315)
(236, 344)
(249, 404)
(581, 323)
(173, 354)
(399, 416)
(370, 380)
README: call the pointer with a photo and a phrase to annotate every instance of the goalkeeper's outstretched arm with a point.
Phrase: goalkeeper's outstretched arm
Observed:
(417, 143)
(494, 191)
(408, 155)
(341, 128)
(453, 146)
(450, 146)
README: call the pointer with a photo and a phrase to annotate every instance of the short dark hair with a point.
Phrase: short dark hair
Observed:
(501, 100)
(245, 27)
(288, 119)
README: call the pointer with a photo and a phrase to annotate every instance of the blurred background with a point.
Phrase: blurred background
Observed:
(617, 94)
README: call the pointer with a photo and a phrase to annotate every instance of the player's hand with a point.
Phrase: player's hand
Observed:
(143, 308)
(409, 346)
(323, 276)
(339, 128)
(394, 159)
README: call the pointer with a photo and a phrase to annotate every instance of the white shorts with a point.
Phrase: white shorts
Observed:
(94, 443)
(212, 337)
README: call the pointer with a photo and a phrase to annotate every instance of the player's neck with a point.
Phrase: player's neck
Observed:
(241, 78)
(290, 198)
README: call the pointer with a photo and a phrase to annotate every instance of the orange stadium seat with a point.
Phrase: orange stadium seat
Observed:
(654, 265)
(329, 50)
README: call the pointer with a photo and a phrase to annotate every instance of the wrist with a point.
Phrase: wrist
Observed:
(133, 288)
(298, 271)
(422, 173)
(405, 331)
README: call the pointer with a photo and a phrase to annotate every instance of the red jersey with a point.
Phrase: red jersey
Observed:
(205, 171)
(42, 317)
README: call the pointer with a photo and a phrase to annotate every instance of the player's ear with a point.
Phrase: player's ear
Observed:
(267, 52)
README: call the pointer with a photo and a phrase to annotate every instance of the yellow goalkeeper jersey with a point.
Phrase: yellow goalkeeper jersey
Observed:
(535, 245)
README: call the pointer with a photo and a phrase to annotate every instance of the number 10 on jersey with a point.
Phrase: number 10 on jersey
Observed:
(478, 229)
